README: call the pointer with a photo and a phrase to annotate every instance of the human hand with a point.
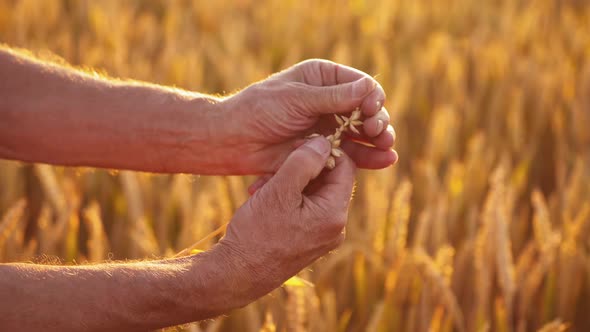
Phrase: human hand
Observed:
(269, 119)
(297, 216)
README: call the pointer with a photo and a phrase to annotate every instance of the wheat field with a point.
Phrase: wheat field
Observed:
(484, 223)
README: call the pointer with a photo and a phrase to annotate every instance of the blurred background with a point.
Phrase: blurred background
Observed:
(483, 225)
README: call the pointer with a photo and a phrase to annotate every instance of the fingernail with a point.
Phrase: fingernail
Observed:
(379, 126)
(319, 145)
(362, 87)
(378, 103)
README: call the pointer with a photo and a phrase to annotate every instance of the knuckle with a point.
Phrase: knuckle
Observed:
(307, 62)
(314, 62)
(311, 62)
(308, 67)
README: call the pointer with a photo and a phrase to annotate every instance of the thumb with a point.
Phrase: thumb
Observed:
(341, 97)
(301, 166)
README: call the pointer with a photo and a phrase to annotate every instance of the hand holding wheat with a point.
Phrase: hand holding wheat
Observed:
(295, 218)
(269, 118)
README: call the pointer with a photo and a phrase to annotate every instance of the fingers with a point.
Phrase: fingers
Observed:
(338, 98)
(364, 156)
(335, 187)
(301, 166)
(319, 72)
(377, 131)
(373, 102)
(324, 73)
(385, 140)
(369, 157)
(376, 124)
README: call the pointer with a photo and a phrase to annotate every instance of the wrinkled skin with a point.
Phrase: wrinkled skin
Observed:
(285, 226)
(296, 214)
(270, 117)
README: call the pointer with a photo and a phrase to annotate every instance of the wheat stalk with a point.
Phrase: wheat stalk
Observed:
(345, 124)
(296, 309)
(217, 231)
(430, 273)
(269, 324)
(97, 239)
(10, 219)
(399, 218)
(52, 188)
(9, 225)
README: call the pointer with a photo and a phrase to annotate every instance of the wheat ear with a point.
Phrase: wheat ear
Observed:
(345, 124)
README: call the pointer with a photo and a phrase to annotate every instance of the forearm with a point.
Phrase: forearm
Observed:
(61, 116)
(107, 297)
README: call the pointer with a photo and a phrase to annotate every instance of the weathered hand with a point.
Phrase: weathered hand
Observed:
(269, 118)
(295, 218)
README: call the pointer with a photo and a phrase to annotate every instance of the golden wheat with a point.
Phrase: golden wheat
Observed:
(488, 203)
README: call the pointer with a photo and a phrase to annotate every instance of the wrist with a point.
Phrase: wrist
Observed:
(245, 152)
(192, 135)
(216, 144)
(229, 279)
